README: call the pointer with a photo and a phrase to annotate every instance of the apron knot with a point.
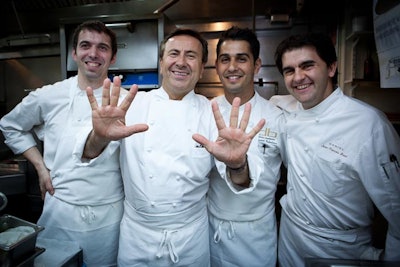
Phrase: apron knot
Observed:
(87, 215)
(166, 241)
(231, 231)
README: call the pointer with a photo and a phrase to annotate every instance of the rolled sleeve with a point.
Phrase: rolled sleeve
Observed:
(79, 147)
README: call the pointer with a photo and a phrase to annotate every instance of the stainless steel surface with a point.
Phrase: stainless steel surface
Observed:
(13, 254)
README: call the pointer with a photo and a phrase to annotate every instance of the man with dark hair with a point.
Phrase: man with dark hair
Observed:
(166, 156)
(81, 204)
(243, 226)
(342, 160)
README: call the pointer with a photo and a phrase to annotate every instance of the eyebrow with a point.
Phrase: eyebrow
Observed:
(185, 51)
(302, 64)
(89, 42)
(236, 55)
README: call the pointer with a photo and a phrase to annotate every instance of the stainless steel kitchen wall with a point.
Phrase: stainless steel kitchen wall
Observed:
(19, 76)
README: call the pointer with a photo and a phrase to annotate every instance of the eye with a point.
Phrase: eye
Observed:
(242, 59)
(224, 60)
(173, 54)
(287, 72)
(307, 66)
(84, 45)
(103, 48)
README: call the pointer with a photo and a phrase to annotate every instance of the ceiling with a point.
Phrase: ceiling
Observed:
(33, 16)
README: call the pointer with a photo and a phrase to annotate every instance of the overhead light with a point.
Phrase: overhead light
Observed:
(164, 7)
(22, 40)
(280, 18)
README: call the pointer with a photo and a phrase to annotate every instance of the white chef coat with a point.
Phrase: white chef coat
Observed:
(87, 203)
(165, 180)
(243, 226)
(339, 165)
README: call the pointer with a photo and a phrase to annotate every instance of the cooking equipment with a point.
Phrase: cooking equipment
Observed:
(21, 250)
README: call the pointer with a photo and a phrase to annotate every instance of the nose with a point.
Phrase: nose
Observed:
(180, 60)
(232, 65)
(298, 74)
(93, 51)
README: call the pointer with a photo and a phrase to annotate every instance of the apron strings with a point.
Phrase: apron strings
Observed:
(166, 241)
(231, 231)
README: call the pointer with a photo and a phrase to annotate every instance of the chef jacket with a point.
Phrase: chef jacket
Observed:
(342, 159)
(243, 226)
(165, 180)
(58, 112)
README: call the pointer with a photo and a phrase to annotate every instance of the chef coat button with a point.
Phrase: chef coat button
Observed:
(174, 205)
(316, 120)
(301, 175)
(151, 122)
(307, 222)
(306, 149)
(152, 203)
(304, 198)
(149, 150)
(178, 178)
(151, 176)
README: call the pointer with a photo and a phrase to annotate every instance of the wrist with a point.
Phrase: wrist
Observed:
(241, 168)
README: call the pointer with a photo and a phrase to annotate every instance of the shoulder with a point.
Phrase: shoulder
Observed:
(285, 102)
(362, 109)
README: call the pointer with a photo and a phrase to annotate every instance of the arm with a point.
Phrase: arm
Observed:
(380, 174)
(109, 118)
(35, 157)
(232, 142)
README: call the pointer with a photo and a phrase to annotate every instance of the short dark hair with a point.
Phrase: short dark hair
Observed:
(97, 26)
(240, 34)
(190, 32)
(320, 41)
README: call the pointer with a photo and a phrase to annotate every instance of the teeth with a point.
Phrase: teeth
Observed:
(92, 64)
(302, 86)
(180, 73)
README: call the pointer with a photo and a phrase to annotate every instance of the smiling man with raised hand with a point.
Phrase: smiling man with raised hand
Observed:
(166, 154)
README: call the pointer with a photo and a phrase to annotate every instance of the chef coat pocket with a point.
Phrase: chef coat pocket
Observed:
(390, 173)
(327, 177)
(199, 151)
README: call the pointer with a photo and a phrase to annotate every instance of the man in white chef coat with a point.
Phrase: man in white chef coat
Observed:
(81, 204)
(166, 154)
(342, 160)
(243, 226)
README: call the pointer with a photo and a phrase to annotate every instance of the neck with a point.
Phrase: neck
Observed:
(84, 82)
(244, 96)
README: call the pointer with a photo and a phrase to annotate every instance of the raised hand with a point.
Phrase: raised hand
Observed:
(109, 119)
(233, 142)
